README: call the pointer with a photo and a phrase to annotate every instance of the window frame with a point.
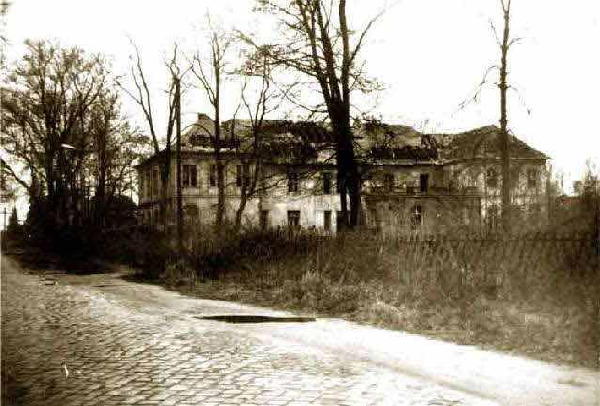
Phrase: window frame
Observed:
(491, 178)
(190, 176)
(294, 216)
(533, 176)
(327, 183)
(327, 216)
(424, 186)
(293, 182)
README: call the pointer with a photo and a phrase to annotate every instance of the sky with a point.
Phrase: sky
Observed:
(430, 55)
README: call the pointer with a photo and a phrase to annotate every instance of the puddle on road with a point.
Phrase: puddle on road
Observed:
(249, 318)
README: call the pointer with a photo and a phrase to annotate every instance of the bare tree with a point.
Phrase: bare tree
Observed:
(504, 135)
(142, 96)
(256, 68)
(210, 73)
(318, 44)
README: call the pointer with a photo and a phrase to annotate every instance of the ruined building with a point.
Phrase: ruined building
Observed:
(285, 175)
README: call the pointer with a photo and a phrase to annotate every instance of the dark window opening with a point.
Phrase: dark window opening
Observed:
(424, 182)
(339, 220)
(242, 175)
(239, 169)
(491, 177)
(293, 182)
(190, 176)
(327, 183)
(327, 220)
(293, 218)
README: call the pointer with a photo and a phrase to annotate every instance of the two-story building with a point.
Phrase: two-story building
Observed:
(286, 176)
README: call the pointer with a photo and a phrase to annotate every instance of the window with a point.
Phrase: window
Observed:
(416, 216)
(242, 175)
(339, 220)
(424, 182)
(264, 219)
(532, 178)
(491, 177)
(239, 175)
(388, 182)
(293, 218)
(327, 220)
(326, 183)
(213, 175)
(492, 217)
(190, 176)
(293, 182)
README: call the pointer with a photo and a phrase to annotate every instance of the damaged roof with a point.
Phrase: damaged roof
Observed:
(287, 141)
(482, 142)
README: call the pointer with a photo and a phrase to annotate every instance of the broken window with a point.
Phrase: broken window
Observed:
(190, 176)
(326, 183)
(491, 177)
(293, 182)
(424, 182)
(293, 218)
(327, 220)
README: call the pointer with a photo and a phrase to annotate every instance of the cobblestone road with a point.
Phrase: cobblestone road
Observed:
(66, 344)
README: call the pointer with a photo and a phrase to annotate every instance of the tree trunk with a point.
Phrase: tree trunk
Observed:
(348, 174)
(218, 157)
(504, 137)
(178, 163)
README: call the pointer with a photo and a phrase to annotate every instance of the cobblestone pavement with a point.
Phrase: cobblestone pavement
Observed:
(69, 344)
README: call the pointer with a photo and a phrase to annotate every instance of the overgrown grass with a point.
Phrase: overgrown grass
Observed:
(536, 294)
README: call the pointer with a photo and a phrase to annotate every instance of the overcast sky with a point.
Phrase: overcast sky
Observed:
(429, 54)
